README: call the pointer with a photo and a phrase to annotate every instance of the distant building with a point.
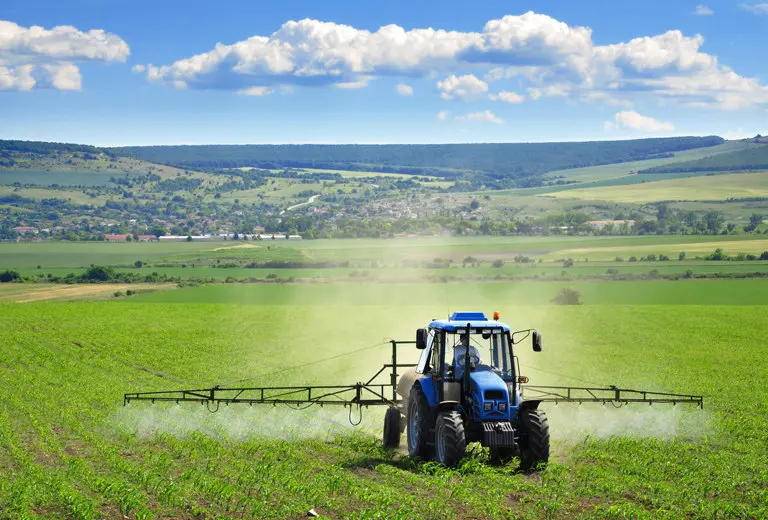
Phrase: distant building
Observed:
(115, 238)
(147, 238)
(600, 224)
(26, 230)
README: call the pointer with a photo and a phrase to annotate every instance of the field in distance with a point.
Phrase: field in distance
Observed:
(699, 188)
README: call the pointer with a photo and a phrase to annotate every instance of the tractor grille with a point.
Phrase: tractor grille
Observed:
(498, 434)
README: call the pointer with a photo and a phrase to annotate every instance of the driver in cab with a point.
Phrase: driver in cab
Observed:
(459, 356)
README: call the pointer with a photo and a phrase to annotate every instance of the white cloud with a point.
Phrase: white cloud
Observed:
(485, 116)
(507, 97)
(535, 93)
(544, 56)
(703, 10)
(38, 58)
(256, 91)
(463, 87)
(362, 82)
(404, 90)
(631, 120)
(138, 68)
(758, 9)
(442, 115)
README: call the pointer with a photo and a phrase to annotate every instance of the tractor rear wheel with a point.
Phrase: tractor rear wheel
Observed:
(418, 423)
(534, 439)
(392, 428)
(450, 440)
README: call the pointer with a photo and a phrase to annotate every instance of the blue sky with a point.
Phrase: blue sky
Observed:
(125, 72)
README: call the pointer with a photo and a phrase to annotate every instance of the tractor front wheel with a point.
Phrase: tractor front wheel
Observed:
(392, 428)
(534, 439)
(450, 440)
(418, 423)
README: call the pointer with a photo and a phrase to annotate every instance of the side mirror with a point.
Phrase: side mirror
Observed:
(536, 341)
(421, 339)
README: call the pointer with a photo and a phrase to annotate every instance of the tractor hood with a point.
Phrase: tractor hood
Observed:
(490, 395)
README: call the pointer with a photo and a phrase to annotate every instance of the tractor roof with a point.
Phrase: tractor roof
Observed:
(477, 322)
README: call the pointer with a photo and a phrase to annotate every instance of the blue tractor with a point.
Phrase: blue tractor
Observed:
(466, 388)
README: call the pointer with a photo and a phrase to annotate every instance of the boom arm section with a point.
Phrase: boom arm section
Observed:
(611, 394)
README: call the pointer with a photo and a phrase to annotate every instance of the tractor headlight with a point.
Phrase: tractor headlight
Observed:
(487, 407)
(502, 407)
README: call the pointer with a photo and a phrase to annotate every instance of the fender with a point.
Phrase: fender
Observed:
(531, 404)
(429, 390)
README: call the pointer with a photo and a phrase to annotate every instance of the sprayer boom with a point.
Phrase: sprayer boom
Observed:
(611, 394)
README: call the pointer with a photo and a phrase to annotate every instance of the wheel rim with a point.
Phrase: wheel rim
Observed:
(440, 442)
(413, 427)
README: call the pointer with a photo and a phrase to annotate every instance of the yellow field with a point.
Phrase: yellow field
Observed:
(714, 187)
(731, 247)
(23, 293)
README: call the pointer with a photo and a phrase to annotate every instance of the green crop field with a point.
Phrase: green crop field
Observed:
(709, 187)
(69, 449)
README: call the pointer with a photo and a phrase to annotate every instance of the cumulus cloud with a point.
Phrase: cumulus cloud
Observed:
(442, 115)
(37, 58)
(464, 87)
(404, 90)
(703, 10)
(758, 9)
(256, 91)
(138, 68)
(631, 120)
(507, 97)
(544, 56)
(486, 116)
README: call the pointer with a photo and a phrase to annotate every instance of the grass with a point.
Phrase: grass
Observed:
(701, 188)
(363, 253)
(72, 195)
(69, 449)
(611, 171)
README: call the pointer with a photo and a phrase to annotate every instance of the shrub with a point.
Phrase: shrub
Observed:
(118, 294)
(619, 259)
(498, 263)
(98, 273)
(9, 276)
(764, 255)
(633, 259)
(568, 296)
(138, 264)
(681, 256)
(568, 263)
(663, 258)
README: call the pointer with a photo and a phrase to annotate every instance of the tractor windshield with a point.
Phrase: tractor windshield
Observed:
(486, 349)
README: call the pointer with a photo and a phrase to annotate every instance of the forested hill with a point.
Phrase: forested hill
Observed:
(491, 161)
(753, 158)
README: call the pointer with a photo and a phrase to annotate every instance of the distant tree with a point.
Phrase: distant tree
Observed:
(714, 221)
(475, 204)
(189, 239)
(764, 255)
(138, 264)
(663, 258)
(754, 220)
(568, 263)
(681, 256)
(98, 273)
(9, 276)
(498, 263)
(568, 296)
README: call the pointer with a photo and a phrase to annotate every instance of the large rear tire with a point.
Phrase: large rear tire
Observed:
(450, 440)
(392, 428)
(418, 423)
(534, 439)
